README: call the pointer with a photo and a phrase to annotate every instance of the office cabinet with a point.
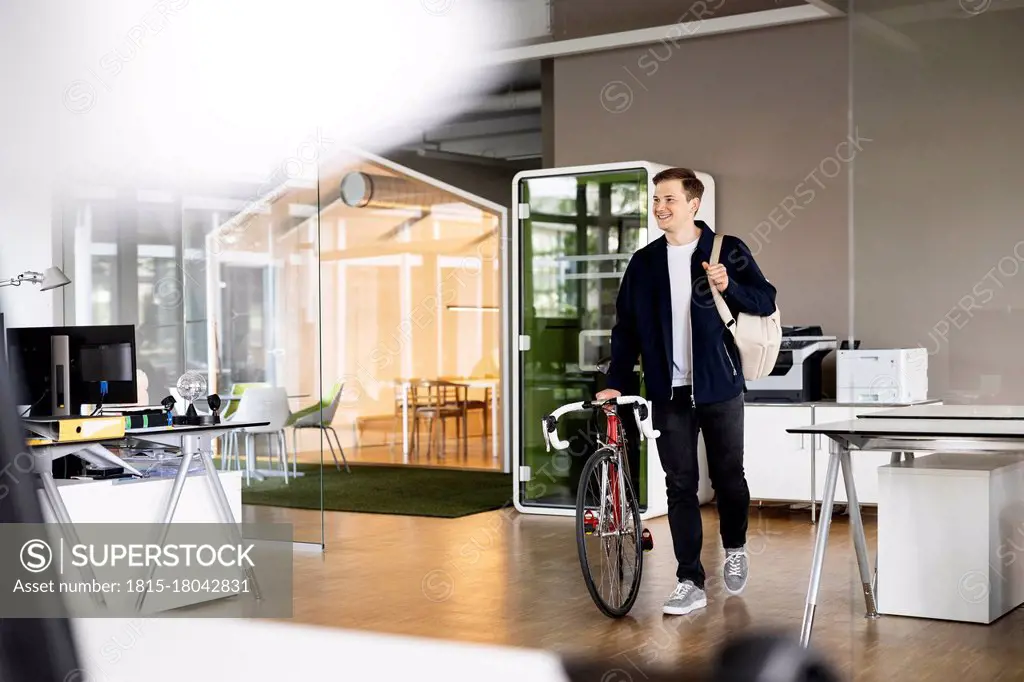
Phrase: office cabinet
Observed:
(777, 464)
(786, 467)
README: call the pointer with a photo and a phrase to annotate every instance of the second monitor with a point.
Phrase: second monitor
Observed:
(63, 368)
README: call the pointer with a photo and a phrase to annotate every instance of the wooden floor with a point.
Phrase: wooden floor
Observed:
(505, 578)
(477, 456)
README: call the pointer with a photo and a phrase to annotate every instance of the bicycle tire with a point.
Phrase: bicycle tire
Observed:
(633, 509)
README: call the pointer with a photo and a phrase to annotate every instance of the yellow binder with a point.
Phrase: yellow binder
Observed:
(70, 429)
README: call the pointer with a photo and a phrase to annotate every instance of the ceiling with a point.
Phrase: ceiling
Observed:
(506, 126)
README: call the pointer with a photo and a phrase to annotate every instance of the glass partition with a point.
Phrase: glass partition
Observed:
(204, 275)
(411, 284)
(580, 233)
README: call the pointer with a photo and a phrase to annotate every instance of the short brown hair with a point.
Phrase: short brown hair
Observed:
(692, 185)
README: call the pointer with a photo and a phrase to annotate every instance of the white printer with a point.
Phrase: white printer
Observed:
(884, 375)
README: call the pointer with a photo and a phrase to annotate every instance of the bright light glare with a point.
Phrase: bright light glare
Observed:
(201, 88)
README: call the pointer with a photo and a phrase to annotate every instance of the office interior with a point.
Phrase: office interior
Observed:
(866, 152)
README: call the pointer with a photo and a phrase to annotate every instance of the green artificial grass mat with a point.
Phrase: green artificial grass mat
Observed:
(377, 489)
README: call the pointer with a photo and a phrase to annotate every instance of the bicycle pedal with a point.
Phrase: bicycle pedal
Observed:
(646, 540)
(589, 522)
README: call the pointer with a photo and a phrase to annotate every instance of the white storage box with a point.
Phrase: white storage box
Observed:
(949, 529)
(885, 375)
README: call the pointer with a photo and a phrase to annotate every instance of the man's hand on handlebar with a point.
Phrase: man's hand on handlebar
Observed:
(607, 394)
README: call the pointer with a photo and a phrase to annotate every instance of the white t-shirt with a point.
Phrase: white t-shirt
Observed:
(679, 278)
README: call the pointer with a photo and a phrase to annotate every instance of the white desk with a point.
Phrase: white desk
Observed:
(997, 412)
(936, 428)
(193, 440)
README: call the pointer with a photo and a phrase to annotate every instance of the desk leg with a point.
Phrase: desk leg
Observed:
(814, 484)
(67, 528)
(820, 543)
(860, 544)
(220, 499)
(189, 445)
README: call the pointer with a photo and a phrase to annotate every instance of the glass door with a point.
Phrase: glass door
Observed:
(575, 241)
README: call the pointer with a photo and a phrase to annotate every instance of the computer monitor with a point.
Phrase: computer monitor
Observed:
(63, 368)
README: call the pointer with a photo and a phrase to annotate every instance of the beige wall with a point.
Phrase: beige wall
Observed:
(764, 113)
(939, 206)
(938, 237)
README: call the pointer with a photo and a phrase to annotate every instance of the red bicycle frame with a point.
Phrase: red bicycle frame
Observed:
(613, 440)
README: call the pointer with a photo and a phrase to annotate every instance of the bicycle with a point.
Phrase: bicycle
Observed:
(609, 512)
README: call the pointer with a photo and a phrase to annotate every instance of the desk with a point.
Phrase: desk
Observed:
(191, 441)
(936, 428)
(997, 412)
(236, 398)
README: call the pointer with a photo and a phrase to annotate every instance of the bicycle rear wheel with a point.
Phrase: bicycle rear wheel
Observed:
(608, 534)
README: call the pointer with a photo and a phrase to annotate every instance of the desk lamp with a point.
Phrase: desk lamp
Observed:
(53, 278)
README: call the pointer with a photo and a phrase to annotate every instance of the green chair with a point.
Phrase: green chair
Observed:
(319, 416)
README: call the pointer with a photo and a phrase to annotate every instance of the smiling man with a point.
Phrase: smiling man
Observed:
(666, 315)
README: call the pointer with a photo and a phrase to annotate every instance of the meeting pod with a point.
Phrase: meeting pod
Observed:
(574, 230)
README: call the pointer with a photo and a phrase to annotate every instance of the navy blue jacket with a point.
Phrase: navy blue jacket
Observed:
(643, 325)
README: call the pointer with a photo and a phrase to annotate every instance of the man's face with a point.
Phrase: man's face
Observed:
(671, 209)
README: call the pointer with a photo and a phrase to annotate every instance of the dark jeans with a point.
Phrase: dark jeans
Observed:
(722, 427)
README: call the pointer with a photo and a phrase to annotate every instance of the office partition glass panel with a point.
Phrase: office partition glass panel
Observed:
(263, 265)
(411, 286)
(938, 248)
(574, 247)
(196, 271)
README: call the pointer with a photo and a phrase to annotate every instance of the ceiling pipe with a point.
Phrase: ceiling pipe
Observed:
(509, 101)
(691, 25)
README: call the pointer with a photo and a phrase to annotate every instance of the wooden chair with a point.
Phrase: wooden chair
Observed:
(438, 401)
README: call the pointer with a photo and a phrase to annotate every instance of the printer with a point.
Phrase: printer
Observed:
(892, 376)
(796, 377)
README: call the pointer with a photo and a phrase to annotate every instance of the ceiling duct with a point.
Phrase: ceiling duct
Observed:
(361, 190)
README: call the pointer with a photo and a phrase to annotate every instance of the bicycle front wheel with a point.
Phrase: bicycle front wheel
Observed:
(608, 533)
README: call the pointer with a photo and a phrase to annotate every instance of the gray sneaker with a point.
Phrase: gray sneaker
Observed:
(685, 598)
(735, 570)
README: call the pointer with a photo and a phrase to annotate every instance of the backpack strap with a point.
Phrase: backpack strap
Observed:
(723, 308)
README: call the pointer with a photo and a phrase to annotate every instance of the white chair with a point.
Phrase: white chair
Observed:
(259, 404)
(142, 385)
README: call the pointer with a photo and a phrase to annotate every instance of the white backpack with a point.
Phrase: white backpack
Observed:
(757, 338)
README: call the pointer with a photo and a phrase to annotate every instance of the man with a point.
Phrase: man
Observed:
(666, 315)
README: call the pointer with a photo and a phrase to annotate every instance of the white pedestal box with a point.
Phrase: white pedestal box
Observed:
(951, 536)
(144, 501)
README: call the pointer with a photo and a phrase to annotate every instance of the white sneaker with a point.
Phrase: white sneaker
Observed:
(685, 598)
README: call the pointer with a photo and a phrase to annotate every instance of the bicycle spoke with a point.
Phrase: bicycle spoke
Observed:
(610, 550)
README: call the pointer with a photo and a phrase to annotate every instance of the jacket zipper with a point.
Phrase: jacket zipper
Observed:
(693, 372)
(729, 357)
